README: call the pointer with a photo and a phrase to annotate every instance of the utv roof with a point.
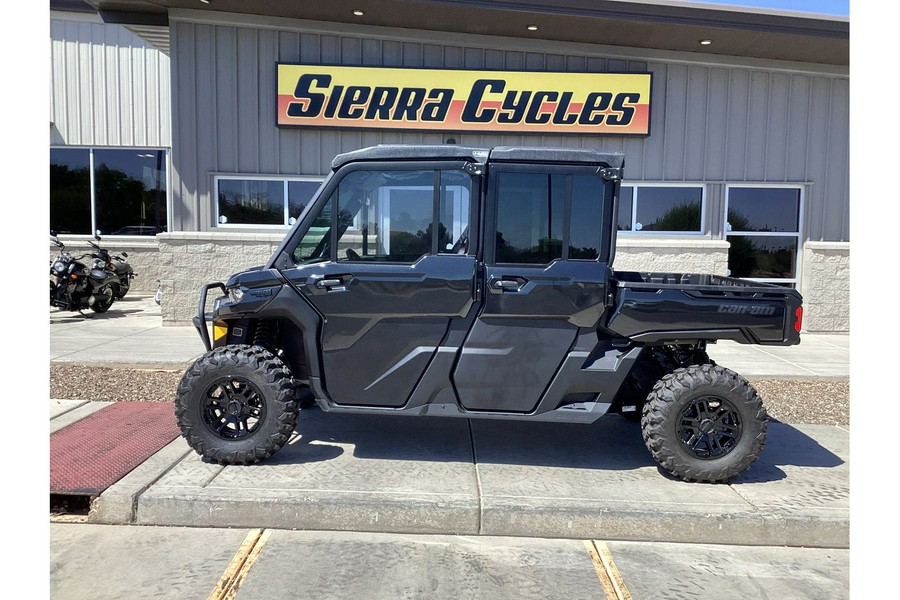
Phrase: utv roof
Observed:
(496, 154)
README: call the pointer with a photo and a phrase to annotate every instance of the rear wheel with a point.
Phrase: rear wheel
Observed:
(704, 423)
(236, 404)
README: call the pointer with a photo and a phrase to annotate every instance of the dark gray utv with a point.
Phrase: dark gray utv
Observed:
(478, 283)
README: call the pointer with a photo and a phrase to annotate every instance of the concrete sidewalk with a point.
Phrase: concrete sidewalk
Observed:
(450, 476)
(453, 476)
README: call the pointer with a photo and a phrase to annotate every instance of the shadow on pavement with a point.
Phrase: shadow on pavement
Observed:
(612, 443)
(75, 317)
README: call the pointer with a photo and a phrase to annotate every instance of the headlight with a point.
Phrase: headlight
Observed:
(236, 294)
(100, 264)
(59, 266)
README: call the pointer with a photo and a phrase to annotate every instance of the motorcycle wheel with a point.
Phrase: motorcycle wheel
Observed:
(104, 298)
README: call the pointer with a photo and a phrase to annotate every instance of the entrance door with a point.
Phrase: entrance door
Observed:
(398, 269)
(545, 277)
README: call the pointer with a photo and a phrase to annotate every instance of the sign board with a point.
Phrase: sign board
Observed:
(459, 101)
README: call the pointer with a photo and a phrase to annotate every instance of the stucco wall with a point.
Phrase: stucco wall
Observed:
(191, 259)
(672, 255)
(825, 285)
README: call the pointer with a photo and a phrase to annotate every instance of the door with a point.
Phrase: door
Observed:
(546, 269)
(387, 265)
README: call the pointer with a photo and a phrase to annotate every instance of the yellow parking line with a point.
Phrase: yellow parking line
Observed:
(240, 565)
(610, 578)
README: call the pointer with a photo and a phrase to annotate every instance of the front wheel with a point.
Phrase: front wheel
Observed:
(103, 299)
(704, 423)
(236, 405)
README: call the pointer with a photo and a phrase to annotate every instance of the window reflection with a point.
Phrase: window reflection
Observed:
(70, 190)
(762, 257)
(130, 191)
(764, 209)
(251, 201)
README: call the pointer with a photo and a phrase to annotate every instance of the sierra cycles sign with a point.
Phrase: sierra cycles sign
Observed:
(456, 101)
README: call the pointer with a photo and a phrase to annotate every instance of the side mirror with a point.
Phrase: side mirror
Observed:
(125, 254)
(54, 233)
(97, 235)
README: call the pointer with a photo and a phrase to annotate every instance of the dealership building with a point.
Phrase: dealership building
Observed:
(193, 133)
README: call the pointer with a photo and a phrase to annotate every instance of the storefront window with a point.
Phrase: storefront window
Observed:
(261, 201)
(127, 196)
(130, 191)
(762, 225)
(661, 208)
(70, 190)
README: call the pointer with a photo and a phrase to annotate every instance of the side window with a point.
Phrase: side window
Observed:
(316, 243)
(586, 217)
(453, 226)
(543, 217)
(393, 216)
(530, 208)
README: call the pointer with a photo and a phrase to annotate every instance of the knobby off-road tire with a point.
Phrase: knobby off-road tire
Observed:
(704, 423)
(236, 405)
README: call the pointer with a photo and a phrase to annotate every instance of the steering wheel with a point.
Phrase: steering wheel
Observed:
(352, 255)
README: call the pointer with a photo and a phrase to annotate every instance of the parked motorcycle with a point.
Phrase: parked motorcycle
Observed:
(120, 270)
(77, 285)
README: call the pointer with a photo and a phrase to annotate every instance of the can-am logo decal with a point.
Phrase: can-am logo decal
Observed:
(455, 101)
(742, 309)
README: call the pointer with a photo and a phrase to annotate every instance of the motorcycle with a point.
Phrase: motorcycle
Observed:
(76, 286)
(117, 267)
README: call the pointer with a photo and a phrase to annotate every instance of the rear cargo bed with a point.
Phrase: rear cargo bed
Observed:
(684, 307)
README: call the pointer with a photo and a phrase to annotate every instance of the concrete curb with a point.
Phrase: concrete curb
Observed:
(117, 505)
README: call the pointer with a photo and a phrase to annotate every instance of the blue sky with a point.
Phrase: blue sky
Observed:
(826, 7)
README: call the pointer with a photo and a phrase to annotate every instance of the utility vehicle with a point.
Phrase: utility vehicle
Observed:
(478, 283)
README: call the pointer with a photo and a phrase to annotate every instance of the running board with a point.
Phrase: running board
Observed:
(581, 412)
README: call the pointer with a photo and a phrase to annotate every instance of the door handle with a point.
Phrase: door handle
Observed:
(508, 285)
(327, 283)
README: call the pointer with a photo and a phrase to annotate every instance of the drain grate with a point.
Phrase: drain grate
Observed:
(90, 455)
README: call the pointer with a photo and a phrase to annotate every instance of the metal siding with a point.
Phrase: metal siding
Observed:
(837, 165)
(737, 124)
(708, 123)
(777, 128)
(651, 166)
(816, 167)
(104, 87)
(674, 132)
(757, 119)
(696, 110)
(716, 124)
(798, 134)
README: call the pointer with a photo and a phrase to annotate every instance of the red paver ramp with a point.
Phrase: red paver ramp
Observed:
(90, 455)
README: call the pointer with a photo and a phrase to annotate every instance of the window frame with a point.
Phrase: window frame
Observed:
(93, 198)
(726, 233)
(605, 252)
(437, 168)
(284, 179)
(704, 190)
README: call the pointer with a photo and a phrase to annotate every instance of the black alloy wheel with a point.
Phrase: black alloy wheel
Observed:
(710, 427)
(236, 405)
(704, 423)
(233, 408)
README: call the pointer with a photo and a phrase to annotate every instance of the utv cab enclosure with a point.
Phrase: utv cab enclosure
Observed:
(478, 283)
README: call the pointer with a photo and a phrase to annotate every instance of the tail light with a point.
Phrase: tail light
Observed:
(799, 322)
